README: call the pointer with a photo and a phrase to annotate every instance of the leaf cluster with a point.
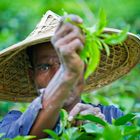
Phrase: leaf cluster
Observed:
(96, 128)
(96, 40)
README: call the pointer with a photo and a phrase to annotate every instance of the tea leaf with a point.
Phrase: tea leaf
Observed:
(95, 41)
(71, 134)
(92, 118)
(52, 134)
(101, 22)
(92, 128)
(106, 48)
(116, 38)
(124, 119)
(130, 130)
(63, 120)
(24, 137)
(1, 134)
(93, 60)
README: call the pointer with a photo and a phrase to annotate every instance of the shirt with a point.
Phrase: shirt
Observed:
(16, 123)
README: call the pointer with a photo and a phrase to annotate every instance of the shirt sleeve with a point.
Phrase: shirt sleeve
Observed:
(110, 112)
(15, 123)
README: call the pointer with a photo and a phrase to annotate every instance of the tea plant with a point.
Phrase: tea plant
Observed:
(96, 40)
(96, 128)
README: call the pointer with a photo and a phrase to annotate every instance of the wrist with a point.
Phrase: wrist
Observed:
(70, 77)
(59, 88)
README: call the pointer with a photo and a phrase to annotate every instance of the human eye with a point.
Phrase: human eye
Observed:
(43, 67)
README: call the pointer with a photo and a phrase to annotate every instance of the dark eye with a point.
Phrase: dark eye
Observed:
(43, 67)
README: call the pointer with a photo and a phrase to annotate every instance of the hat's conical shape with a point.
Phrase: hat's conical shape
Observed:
(15, 84)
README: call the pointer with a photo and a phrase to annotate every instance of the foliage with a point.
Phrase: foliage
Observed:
(96, 40)
(96, 129)
(18, 18)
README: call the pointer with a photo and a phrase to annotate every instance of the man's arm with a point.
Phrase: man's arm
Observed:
(67, 42)
(53, 100)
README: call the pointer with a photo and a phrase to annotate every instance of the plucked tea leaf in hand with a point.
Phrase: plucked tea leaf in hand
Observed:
(116, 38)
(106, 47)
(99, 27)
(95, 41)
(93, 59)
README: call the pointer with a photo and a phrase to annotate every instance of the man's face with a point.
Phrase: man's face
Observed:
(46, 63)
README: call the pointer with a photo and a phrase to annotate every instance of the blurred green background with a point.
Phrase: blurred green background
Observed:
(19, 17)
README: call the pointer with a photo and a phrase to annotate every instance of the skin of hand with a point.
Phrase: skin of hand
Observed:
(84, 109)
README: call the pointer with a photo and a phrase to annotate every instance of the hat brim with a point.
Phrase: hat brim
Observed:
(20, 88)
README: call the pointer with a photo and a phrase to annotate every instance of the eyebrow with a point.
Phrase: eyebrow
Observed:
(46, 57)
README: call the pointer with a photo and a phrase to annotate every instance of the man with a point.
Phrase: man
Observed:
(57, 73)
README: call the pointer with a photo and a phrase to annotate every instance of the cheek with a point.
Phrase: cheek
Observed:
(42, 79)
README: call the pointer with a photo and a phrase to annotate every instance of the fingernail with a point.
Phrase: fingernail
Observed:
(70, 118)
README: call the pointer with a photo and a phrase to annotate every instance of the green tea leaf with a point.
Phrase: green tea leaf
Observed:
(116, 38)
(112, 132)
(101, 23)
(130, 130)
(92, 118)
(95, 41)
(24, 137)
(92, 128)
(63, 120)
(71, 134)
(93, 60)
(124, 119)
(106, 48)
(51, 133)
(137, 115)
(99, 43)
(1, 135)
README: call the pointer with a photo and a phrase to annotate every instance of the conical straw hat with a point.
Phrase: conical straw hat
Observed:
(15, 84)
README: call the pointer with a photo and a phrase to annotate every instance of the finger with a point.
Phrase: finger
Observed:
(86, 112)
(73, 35)
(96, 110)
(71, 17)
(102, 116)
(73, 113)
(69, 56)
(92, 111)
(62, 31)
(75, 46)
(77, 109)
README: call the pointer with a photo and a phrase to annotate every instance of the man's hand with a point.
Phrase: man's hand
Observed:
(85, 109)
(68, 41)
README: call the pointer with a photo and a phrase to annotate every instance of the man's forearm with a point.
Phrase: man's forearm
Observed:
(54, 96)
